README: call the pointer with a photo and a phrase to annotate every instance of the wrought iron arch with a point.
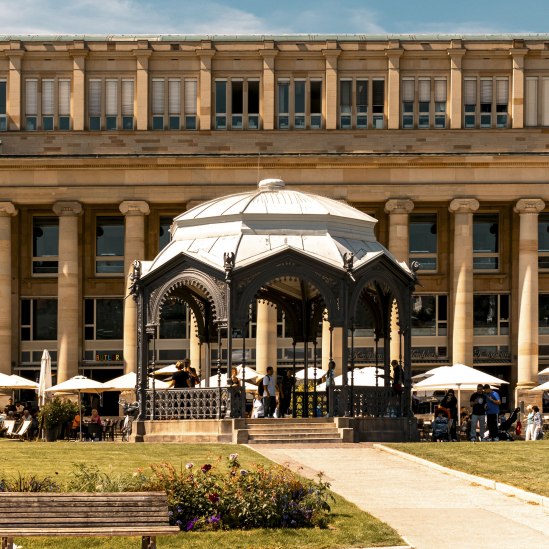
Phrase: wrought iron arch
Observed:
(254, 282)
(210, 288)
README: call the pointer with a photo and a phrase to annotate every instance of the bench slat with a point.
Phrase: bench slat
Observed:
(84, 514)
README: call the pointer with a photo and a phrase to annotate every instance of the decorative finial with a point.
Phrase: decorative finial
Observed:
(271, 184)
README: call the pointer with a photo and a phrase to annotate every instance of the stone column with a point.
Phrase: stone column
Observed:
(134, 248)
(337, 347)
(393, 88)
(462, 280)
(68, 290)
(456, 82)
(7, 211)
(517, 93)
(399, 212)
(14, 91)
(268, 100)
(331, 88)
(78, 102)
(205, 91)
(266, 338)
(142, 89)
(527, 363)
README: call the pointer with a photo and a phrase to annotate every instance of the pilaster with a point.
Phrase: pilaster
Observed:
(456, 83)
(268, 99)
(205, 87)
(330, 107)
(78, 96)
(13, 107)
(393, 88)
(142, 88)
(517, 90)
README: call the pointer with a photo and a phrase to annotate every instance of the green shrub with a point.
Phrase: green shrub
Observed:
(28, 483)
(88, 478)
(57, 412)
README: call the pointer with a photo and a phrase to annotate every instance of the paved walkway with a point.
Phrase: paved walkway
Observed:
(428, 508)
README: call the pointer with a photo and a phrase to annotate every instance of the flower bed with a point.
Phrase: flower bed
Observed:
(222, 496)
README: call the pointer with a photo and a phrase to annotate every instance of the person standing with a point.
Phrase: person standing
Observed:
(478, 415)
(538, 424)
(529, 435)
(287, 387)
(492, 412)
(269, 392)
(180, 379)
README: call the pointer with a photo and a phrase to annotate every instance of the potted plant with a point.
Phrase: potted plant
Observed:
(54, 415)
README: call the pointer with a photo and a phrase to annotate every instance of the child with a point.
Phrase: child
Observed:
(257, 409)
(440, 427)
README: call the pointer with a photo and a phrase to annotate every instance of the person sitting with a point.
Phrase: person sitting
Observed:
(257, 410)
(95, 428)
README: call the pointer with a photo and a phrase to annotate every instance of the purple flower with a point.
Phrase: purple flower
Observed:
(214, 519)
(191, 524)
(233, 457)
(206, 467)
(189, 465)
(243, 472)
(214, 498)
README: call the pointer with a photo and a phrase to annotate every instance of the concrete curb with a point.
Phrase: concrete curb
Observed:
(506, 489)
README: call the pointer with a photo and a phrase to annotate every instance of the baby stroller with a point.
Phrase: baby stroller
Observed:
(441, 429)
(505, 425)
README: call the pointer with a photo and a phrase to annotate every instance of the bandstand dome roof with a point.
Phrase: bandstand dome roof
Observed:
(268, 220)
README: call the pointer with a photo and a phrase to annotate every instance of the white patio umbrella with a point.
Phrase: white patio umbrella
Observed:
(458, 376)
(128, 382)
(544, 372)
(542, 387)
(16, 382)
(363, 377)
(213, 381)
(166, 370)
(78, 385)
(311, 373)
(44, 381)
(249, 373)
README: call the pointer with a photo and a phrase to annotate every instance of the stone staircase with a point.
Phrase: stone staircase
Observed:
(322, 430)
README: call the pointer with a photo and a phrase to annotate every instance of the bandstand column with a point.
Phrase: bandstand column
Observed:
(195, 349)
(68, 293)
(266, 337)
(399, 212)
(7, 211)
(462, 280)
(337, 347)
(134, 248)
(527, 359)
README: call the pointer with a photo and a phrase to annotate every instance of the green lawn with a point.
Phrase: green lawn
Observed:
(521, 464)
(351, 527)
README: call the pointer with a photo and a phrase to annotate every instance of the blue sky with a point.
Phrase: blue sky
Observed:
(274, 17)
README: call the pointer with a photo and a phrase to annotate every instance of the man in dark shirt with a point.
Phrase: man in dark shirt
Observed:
(180, 379)
(478, 405)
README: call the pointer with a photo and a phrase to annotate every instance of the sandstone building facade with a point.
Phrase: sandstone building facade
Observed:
(443, 139)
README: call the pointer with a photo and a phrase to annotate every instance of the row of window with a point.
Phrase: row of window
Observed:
(299, 103)
(423, 243)
(109, 244)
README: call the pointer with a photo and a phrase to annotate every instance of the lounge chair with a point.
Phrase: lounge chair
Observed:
(8, 426)
(23, 432)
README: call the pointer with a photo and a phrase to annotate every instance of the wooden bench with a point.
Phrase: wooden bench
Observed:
(142, 514)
